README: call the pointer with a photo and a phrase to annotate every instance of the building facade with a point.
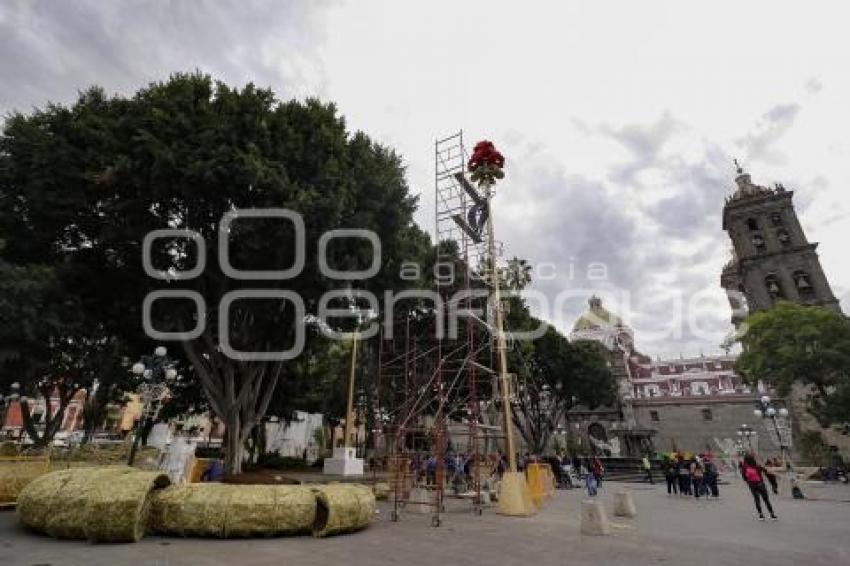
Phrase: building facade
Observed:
(685, 404)
(691, 377)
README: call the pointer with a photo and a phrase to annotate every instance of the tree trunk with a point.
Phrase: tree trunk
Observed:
(239, 393)
(234, 448)
(88, 432)
(52, 424)
(94, 413)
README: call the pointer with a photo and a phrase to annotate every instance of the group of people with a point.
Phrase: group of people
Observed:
(697, 476)
(457, 468)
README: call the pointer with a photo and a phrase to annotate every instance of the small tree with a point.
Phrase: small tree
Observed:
(47, 347)
(555, 377)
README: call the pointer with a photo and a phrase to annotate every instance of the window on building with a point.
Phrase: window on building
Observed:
(774, 289)
(752, 224)
(706, 415)
(804, 286)
(653, 416)
(776, 218)
(758, 242)
(784, 237)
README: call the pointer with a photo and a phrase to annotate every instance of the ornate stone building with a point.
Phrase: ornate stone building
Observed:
(771, 258)
(611, 430)
(684, 404)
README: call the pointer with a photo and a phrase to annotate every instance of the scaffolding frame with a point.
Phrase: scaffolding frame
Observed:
(429, 379)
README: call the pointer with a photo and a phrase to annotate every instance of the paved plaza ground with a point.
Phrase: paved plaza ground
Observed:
(668, 530)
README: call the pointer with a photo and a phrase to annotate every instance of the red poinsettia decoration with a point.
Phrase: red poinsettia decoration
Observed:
(485, 153)
(486, 163)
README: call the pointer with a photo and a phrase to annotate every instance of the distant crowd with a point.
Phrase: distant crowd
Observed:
(696, 476)
(686, 475)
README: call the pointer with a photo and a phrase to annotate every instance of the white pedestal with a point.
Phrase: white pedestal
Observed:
(344, 463)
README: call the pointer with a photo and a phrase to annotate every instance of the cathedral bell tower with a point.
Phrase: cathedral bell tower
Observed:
(771, 258)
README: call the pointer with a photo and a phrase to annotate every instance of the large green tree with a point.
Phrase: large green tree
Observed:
(807, 346)
(83, 186)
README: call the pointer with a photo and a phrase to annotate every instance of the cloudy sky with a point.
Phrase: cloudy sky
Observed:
(619, 120)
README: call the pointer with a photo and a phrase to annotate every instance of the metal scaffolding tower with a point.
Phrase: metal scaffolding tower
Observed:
(432, 382)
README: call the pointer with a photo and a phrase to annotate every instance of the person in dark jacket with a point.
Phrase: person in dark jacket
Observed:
(684, 477)
(754, 474)
(213, 472)
(597, 471)
(711, 478)
(671, 474)
(697, 478)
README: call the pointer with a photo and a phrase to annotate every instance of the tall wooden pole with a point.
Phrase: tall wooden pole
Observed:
(501, 347)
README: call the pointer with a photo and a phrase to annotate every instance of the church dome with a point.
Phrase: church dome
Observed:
(596, 317)
(600, 325)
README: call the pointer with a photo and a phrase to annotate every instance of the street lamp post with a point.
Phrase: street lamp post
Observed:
(156, 371)
(769, 413)
(746, 433)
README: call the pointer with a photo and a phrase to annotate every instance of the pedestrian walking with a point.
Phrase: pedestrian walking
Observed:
(431, 470)
(598, 470)
(754, 476)
(501, 464)
(591, 484)
(647, 468)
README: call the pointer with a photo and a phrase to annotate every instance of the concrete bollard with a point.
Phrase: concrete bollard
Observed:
(624, 504)
(593, 518)
(419, 501)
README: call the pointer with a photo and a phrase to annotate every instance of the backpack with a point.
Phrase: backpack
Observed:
(752, 475)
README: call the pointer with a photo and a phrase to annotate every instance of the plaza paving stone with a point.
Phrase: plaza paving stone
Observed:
(667, 530)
